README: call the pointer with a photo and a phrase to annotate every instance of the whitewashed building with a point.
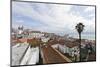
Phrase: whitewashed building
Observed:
(36, 34)
(44, 39)
(71, 49)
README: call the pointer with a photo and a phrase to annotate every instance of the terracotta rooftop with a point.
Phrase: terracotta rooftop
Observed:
(72, 44)
(69, 44)
(21, 40)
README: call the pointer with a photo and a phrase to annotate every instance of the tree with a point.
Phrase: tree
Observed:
(34, 42)
(79, 27)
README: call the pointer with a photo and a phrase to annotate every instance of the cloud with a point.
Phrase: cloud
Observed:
(56, 18)
(88, 9)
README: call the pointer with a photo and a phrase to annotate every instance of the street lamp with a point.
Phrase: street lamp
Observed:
(79, 27)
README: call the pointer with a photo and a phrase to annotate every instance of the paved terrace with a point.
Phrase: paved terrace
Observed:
(18, 52)
(51, 55)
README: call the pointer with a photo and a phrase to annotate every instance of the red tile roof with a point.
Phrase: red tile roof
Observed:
(21, 40)
(72, 44)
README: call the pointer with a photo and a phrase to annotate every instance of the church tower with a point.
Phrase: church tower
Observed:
(20, 29)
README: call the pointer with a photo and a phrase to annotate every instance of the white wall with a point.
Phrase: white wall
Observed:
(61, 48)
(45, 39)
(26, 57)
(55, 46)
(65, 49)
(34, 56)
(31, 56)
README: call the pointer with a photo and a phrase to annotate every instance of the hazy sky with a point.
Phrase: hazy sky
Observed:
(54, 18)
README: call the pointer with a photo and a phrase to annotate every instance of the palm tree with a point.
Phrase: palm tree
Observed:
(79, 27)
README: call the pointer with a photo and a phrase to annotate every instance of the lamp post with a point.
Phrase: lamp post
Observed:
(79, 27)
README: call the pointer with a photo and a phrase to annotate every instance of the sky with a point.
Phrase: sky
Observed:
(53, 18)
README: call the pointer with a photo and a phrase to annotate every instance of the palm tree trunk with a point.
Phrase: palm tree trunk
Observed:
(80, 46)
